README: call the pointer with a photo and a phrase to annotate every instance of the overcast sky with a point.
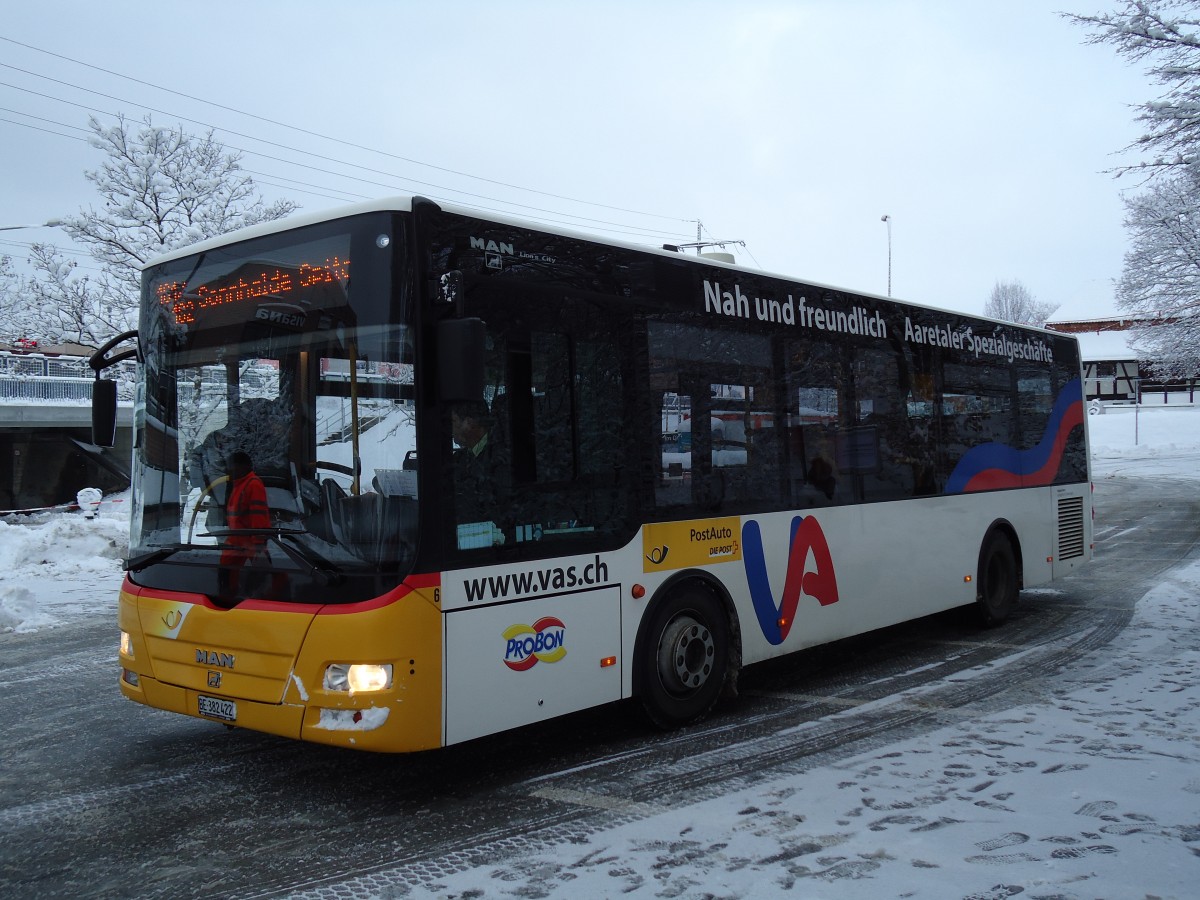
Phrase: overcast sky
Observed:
(983, 129)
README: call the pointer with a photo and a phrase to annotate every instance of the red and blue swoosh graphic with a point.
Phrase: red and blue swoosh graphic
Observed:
(987, 467)
(820, 583)
(991, 467)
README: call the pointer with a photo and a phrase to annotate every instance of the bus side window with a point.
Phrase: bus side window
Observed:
(919, 401)
(599, 407)
(745, 454)
(706, 384)
(553, 411)
(814, 404)
(1037, 402)
(977, 409)
(880, 437)
(601, 437)
(555, 418)
(674, 484)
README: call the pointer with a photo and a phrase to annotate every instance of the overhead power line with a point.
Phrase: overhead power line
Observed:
(331, 138)
(39, 128)
(322, 191)
(622, 227)
(406, 183)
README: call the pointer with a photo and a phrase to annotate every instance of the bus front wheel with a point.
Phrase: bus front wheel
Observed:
(997, 581)
(686, 658)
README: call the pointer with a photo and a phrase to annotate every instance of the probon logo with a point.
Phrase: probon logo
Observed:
(529, 644)
(820, 582)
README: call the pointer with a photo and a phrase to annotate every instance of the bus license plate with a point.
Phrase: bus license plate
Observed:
(216, 708)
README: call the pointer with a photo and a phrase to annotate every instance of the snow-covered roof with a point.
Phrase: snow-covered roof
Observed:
(1105, 345)
(1058, 324)
(45, 348)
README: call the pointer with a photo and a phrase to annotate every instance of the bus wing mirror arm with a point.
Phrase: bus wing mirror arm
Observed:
(100, 360)
(461, 344)
(104, 393)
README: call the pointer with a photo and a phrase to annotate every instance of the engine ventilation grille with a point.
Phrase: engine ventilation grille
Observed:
(1070, 527)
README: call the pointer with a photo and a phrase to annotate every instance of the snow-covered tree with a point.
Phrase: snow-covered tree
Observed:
(162, 189)
(1013, 302)
(57, 305)
(9, 287)
(1166, 35)
(1160, 283)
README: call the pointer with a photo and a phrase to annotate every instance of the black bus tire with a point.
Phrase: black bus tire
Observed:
(997, 581)
(685, 658)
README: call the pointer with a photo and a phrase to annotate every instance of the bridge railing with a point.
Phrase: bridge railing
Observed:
(32, 377)
(43, 388)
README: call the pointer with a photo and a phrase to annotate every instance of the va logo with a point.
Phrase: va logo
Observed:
(807, 540)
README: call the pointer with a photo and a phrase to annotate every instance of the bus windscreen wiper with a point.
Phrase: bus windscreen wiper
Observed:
(262, 532)
(318, 566)
(150, 557)
(142, 560)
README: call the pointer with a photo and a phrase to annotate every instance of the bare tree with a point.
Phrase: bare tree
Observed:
(162, 189)
(1166, 34)
(1160, 283)
(1013, 302)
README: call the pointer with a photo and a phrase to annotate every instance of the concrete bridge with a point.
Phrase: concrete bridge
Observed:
(46, 453)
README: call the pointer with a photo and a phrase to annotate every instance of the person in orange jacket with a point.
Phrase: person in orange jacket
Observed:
(247, 509)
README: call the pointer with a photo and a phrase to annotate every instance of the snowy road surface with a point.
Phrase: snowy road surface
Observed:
(1055, 757)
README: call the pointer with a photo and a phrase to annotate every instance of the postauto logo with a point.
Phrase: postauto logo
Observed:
(543, 641)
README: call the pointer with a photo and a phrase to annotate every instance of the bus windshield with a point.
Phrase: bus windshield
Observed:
(288, 356)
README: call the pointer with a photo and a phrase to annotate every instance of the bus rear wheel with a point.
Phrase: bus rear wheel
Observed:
(998, 585)
(686, 658)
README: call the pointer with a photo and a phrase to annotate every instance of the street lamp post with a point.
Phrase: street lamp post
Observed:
(887, 220)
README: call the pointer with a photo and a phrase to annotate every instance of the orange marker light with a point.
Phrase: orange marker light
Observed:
(608, 661)
(638, 592)
(782, 623)
(967, 579)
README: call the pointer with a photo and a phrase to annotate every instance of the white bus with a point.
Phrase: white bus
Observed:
(514, 472)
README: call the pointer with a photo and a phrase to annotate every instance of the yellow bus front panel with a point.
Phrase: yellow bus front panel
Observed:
(265, 666)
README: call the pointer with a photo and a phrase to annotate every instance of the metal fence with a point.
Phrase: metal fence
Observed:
(39, 387)
(32, 377)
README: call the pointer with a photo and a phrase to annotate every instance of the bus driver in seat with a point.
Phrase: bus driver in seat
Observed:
(482, 471)
(471, 427)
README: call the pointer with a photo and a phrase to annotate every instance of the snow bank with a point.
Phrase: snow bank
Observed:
(1153, 441)
(58, 565)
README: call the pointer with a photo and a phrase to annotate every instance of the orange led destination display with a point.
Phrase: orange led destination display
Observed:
(275, 282)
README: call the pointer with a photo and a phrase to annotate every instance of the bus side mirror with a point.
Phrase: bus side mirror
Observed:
(104, 413)
(461, 344)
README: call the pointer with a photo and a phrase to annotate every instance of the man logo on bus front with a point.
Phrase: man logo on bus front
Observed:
(807, 540)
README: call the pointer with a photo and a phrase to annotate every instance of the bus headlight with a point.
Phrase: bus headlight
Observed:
(126, 644)
(358, 677)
